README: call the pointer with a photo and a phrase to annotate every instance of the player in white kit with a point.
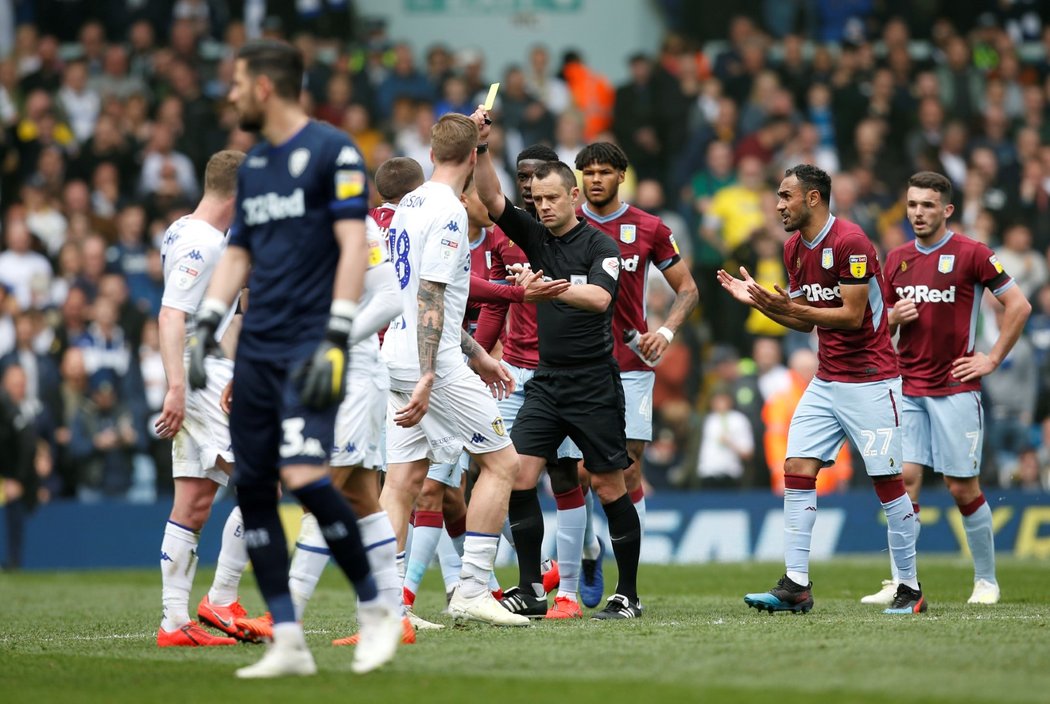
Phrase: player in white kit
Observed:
(438, 405)
(201, 455)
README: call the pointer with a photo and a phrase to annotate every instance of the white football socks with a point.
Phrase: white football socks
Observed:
(233, 559)
(178, 564)
(308, 563)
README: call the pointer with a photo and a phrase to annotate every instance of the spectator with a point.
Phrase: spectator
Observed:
(550, 89)
(726, 444)
(41, 380)
(773, 376)
(404, 81)
(25, 272)
(102, 442)
(1026, 266)
(42, 218)
(162, 162)
(777, 412)
(1011, 392)
(25, 458)
(592, 96)
(78, 100)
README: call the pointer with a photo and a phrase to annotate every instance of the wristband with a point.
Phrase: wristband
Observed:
(482, 148)
(344, 308)
(667, 334)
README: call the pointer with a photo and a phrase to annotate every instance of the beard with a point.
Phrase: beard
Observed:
(251, 120)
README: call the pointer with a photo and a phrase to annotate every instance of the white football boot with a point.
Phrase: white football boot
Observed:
(884, 596)
(984, 592)
(288, 655)
(381, 630)
(484, 608)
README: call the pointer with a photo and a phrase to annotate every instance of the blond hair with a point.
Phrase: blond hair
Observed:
(453, 138)
(220, 175)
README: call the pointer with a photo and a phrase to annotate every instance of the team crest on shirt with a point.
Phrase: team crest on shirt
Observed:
(827, 258)
(628, 234)
(488, 259)
(946, 263)
(858, 265)
(497, 426)
(798, 263)
(904, 266)
(297, 162)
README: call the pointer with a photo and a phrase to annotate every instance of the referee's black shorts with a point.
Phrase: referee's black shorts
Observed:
(584, 403)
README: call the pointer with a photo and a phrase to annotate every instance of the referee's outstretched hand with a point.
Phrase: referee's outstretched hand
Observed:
(537, 290)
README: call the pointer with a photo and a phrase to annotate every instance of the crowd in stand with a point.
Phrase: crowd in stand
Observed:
(106, 130)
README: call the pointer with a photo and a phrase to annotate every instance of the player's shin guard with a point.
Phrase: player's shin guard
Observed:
(264, 536)
(800, 513)
(426, 532)
(626, 534)
(591, 547)
(572, 515)
(479, 555)
(308, 563)
(900, 522)
(233, 558)
(380, 543)
(178, 564)
(526, 522)
(977, 520)
(450, 561)
(918, 530)
(339, 528)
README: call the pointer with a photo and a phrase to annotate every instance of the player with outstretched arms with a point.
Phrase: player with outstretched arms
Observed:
(299, 231)
(836, 286)
(934, 290)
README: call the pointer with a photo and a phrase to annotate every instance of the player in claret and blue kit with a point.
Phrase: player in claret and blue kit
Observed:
(836, 286)
(934, 291)
(299, 228)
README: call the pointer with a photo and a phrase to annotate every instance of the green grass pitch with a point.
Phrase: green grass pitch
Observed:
(90, 637)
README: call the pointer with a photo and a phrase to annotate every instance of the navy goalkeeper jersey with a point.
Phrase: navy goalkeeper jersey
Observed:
(288, 199)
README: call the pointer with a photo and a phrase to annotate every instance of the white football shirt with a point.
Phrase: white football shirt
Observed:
(428, 240)
(189, 253)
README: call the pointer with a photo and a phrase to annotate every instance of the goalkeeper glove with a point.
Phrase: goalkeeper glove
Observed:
(203, 343)
(324, 376)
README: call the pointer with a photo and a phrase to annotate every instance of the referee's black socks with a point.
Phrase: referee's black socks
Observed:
(626, 533)
(526, 525)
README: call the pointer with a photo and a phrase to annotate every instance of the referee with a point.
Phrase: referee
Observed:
(576, 390)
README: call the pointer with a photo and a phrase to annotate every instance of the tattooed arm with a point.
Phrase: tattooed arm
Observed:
(499, 380)
(431, 305)
(431, 302)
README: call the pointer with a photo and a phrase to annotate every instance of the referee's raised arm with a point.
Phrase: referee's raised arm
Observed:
(484, 173)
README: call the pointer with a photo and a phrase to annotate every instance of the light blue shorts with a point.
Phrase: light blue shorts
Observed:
(868, 413)
(450, 473)
(509, 407)
(638, 397)
(945, 432)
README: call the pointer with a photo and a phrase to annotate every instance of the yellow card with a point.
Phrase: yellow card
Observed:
(491, 99)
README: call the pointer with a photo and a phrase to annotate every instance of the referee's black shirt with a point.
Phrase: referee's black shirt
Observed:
(568, 336)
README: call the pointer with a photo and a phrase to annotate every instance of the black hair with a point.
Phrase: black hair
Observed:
(602, 153)
(279, 61)
(812, 178)
(537, 152)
